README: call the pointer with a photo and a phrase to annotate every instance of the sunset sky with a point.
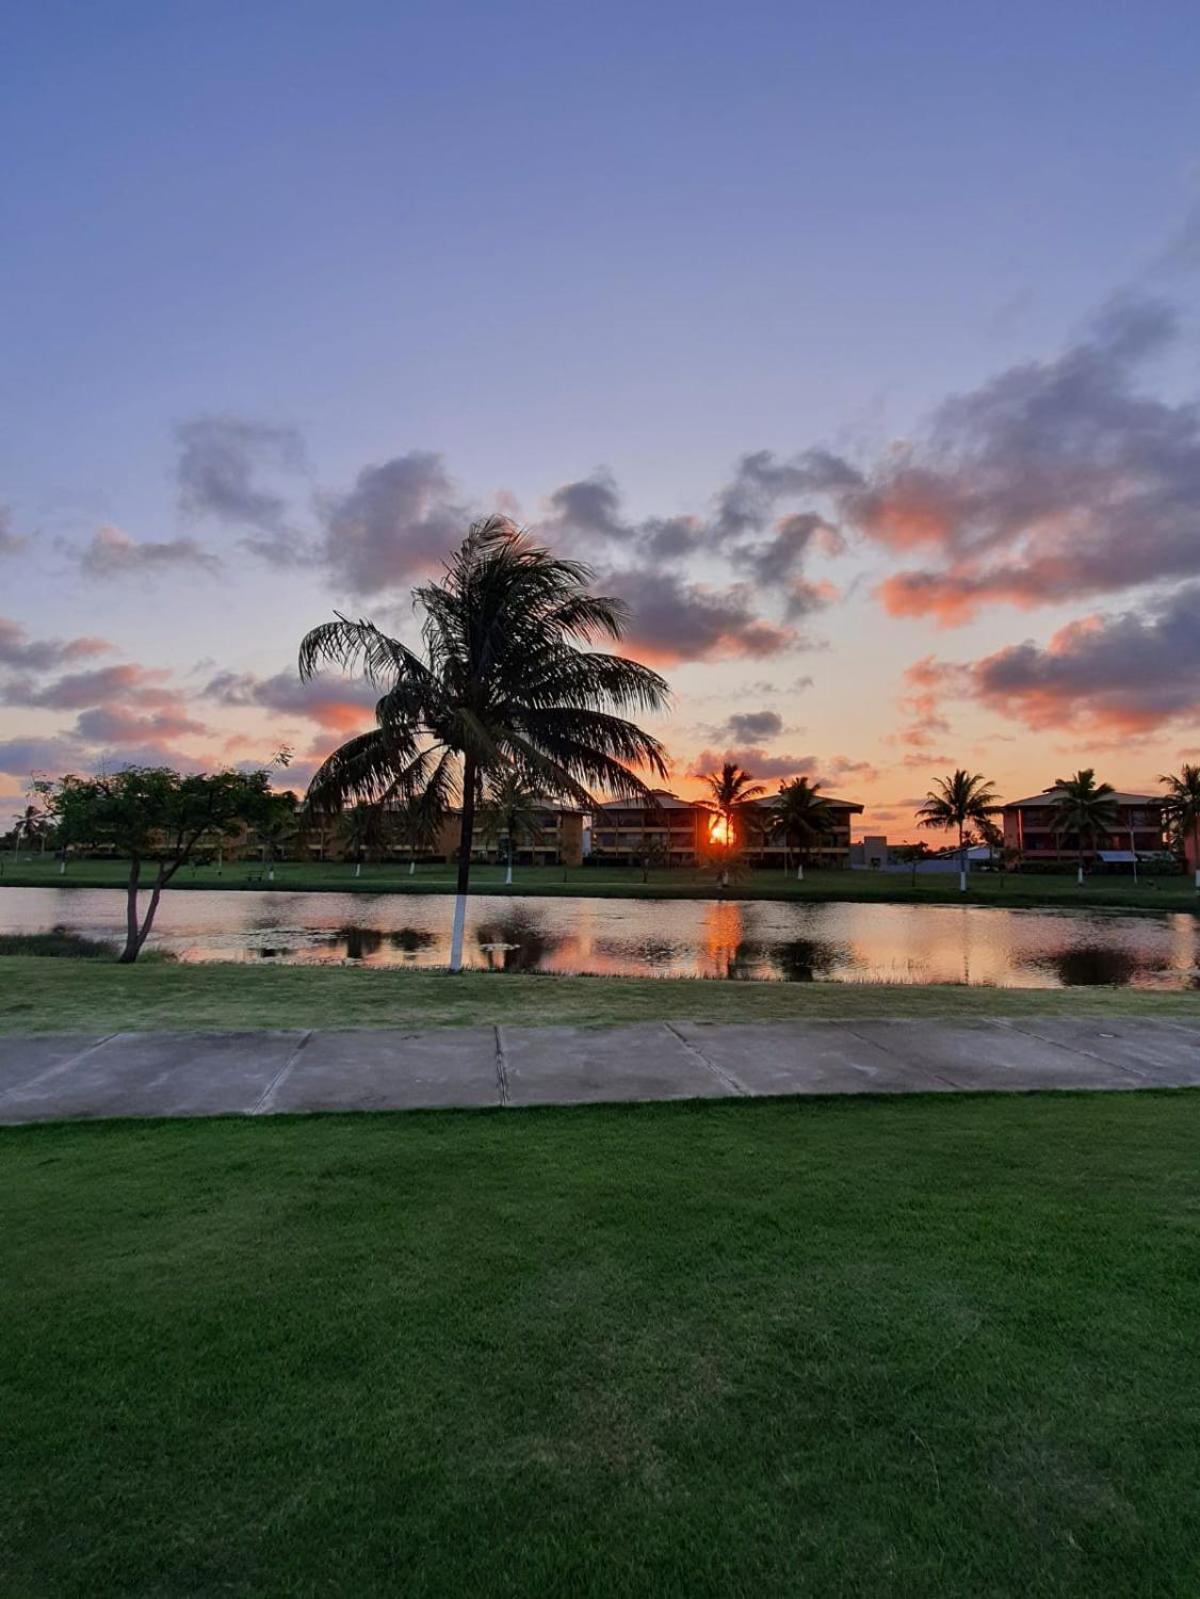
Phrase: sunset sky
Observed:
(854, 346)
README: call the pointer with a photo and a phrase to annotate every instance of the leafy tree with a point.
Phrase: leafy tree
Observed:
(505, 683)
(731, 795)
(1084, 808)
(803, 816)
(154, 816)
(1182, 807)
(955, 802)
(510, 813)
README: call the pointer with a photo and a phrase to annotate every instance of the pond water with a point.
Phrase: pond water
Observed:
(756, 940)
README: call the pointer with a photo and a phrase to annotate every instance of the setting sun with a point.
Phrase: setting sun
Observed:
(720, 832)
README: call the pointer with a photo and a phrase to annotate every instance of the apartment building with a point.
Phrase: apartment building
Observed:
(1029, 828)
(665, 830)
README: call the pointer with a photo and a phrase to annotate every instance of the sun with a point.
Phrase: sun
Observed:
(720, 832)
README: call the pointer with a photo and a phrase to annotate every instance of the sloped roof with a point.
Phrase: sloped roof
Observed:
(1049, 795)
(772, 800)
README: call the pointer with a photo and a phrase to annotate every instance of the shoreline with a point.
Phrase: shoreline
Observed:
(1049, 893)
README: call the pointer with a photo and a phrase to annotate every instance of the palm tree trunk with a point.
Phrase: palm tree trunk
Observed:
(466, 834)
(962, 862)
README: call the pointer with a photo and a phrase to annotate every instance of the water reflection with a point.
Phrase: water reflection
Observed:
(726, 939)
(804, 960)
(515, 942)
(1093, 965)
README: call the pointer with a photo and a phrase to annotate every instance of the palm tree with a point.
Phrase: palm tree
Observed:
(361, 830)
(732, 792)
(802, 815)
(1084, 807)
(503, 684)
(277, 829)
(955, 802)
(419, 817)
(1182, 807)
(510, 812)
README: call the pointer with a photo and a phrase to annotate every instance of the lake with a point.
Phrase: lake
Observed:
(754, 940)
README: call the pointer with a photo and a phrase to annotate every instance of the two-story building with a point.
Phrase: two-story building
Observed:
(1029, 828)
(558, 840)
(665, 830)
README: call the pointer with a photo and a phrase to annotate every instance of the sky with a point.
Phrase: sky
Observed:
(854, 347)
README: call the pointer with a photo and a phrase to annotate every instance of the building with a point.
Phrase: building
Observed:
(665, 830)
(557, 842)
(871, 851)
(1029, 828)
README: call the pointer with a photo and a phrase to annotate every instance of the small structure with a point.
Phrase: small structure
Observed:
(871, 852)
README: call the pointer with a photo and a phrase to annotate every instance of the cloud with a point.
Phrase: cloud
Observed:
(762, 765)
(672, 620)
(337, 704)
(112, 553)
(109, 725)
(399, 521)
(220, 462)
(1053, 481)
(10, 542)
(1125, 673)
(18, 650)
(755, 760)
(762, 481)
(125, 682)
(745, 727)
(21, 757)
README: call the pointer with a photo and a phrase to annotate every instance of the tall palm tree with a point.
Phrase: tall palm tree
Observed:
(803, 815)
(1182, 807)
(503, 684)
(732, 792)
(510, 813)
(277, 829)
(1083, 807)
(361, 830)
(419, 817)
(955, 802)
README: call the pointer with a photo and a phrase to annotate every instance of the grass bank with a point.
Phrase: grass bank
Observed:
(909, 1347)
(38, 995)
(935, 888)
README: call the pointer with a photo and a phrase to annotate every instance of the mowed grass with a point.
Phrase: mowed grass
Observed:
(1152, 892)
(906, 1346)
(39, 995)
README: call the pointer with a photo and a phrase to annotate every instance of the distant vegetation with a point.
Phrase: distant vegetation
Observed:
(58, 941)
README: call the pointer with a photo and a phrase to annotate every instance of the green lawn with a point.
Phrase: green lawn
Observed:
(989, 888)
(912, 1346)
(39, 994)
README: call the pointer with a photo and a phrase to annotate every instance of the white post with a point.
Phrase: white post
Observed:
(1079, 874)
(358, 868)
(62, 866)
(508, 871)
(962, 882)
(456, 935)
(412, 865)
(800, 872)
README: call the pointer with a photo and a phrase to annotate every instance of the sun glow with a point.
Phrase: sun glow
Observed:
(720, 832)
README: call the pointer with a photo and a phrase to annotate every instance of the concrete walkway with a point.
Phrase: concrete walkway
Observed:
(206, 1074)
